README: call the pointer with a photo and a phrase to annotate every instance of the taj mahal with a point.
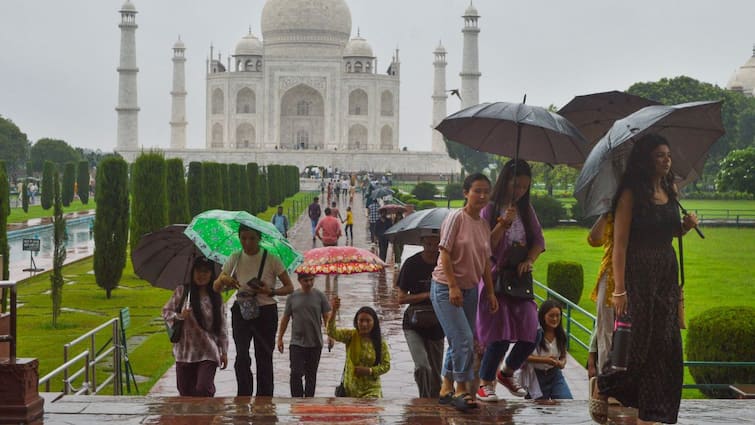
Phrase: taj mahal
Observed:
(307, 92)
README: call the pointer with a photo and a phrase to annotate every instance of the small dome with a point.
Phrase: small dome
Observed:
(249, 45)
(471, 10)
(358, 46)
(179, 44)
(128, 7)
(744, 78)
(440, 49)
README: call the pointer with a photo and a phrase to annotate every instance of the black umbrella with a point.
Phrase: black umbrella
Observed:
(164, 258)
(593, 114)
(517, 130)
(380, 193)
(414, 226)
(691, 129)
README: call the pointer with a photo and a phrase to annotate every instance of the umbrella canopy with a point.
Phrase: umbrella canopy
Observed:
(392, 208)
(381, 192)
(517, 130)
(164, 258)
(691, 129)
(215, 232)
(339, 260)
(413, 227)
(593, 114)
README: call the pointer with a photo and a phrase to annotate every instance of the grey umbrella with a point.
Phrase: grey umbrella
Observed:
(593, 114)
(517, 130)
(411, 228)
(165, 257)
(691, 129)
(380, 193)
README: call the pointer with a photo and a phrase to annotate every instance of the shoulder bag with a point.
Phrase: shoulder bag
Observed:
(249, 306)
(421, 316)
(508, 282)
(175, 331)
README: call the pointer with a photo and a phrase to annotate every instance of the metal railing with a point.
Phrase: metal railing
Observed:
(110, 349)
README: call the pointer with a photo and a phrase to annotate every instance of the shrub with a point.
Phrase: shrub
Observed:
(178, 207)
(424, 190)
(25, 196)
(722, 334)
(549, 210)
(212, 186)
(454, 191)
(149, 210)
(426, 205)
(194, 191)
(47, 185)
(567, 278)
(252, 173)
(720, 196)
(111, 222)
(69, 178)
(82, 181)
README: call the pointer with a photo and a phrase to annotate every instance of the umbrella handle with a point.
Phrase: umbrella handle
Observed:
(684, 212)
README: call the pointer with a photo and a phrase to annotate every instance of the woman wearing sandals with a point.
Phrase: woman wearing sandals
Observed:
(646, 219)
(463, 261)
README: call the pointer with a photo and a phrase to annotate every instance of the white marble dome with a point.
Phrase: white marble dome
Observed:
(292, 22)
(249, 45)
(179, 44)
(358, 47)
(471, 11)
(128, 7)
(743, 79)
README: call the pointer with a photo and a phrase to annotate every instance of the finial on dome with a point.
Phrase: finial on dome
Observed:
(753, 50)
(250, 30)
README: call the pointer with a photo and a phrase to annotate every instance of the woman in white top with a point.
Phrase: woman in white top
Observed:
(549, 356)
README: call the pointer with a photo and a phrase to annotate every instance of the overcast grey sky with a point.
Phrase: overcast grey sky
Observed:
(58, 62)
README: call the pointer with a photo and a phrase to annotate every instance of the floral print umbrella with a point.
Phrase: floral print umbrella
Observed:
(216, 234)
(339, 260)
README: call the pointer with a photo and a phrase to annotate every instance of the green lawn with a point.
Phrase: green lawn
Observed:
(17, 215)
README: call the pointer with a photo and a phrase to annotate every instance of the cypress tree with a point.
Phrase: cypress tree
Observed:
(178, 207)
(245, 197)
(69, 179)
(59, 248)
(4, 213)
(111, 222)
(82, 181)
(212, 182)
(263, 193)
(225, 186)
(149, 211)
(234, 189)
(47, 185)
(253, 172)
(194, 191)
(25, 196)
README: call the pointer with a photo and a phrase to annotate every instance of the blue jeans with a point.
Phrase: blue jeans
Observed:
(458, 323)
(552, 384)
(314, 224)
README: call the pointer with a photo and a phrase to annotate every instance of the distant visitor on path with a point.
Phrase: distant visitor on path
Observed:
(307, 308)
(254, 315)
(280, 221)
(367, 355)
(203, 346)
(314, 212)
(328, 229)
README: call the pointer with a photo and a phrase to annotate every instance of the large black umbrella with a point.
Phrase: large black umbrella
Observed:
(164, 258)
(593, 114)
(414, 226)
(691, 129)
(517, 130)
(380, 193)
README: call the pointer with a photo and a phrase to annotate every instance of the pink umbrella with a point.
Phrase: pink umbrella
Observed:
(339, 260)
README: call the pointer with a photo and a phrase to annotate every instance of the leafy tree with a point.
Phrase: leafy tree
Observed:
(111, 222)
(194, 191)
(424, 191)
(93, 157)
(82, 181)
(57, 151)
(212, 182)
(58, 251)
(473, 161)
(149, 211)
(737, 172)
(14, 145)
(47, 185)
(178, 206)
(69, 179)
(454, 191)
(25, 196)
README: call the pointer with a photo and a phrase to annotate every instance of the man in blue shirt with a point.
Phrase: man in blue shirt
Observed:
(280, 221)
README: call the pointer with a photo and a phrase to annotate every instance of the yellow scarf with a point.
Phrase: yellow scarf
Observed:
(606, 264)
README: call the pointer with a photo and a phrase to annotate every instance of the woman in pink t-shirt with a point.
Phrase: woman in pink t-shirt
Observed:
(463, 261)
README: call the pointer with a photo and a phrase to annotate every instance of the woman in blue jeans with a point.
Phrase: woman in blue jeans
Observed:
(549, 357)
(463, 261)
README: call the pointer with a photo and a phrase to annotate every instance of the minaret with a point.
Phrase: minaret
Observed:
(178, 97)
(439, 97)
(470, 67)
(128, 111)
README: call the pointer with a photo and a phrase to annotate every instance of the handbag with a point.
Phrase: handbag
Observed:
(249, 306)
(421, 316)
(340, 388)
(175, 331)
(508, 282)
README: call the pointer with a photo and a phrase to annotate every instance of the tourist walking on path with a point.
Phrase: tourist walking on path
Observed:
(646, 218)
(314, 212)
(373, 215)
(280, 221)
(514, 225)
(549, 357)
(601, 234)
(463, 262)
(335, 212)
(253, 272)
(384, 223)
(367, 355)
(203, 346)
(308, 308)
(328, 230)
(422, 331)
(349, 228)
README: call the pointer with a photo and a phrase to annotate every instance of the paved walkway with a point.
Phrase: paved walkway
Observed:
(373, 289)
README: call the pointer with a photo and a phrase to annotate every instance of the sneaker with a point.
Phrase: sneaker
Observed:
(511, 384)
(486, 393)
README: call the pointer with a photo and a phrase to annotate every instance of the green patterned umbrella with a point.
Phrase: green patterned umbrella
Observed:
(216, 234)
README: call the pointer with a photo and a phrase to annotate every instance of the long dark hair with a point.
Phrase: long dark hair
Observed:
(375, 336)
(639, 173)
(559, 331)
(215, 298)
(522, 205)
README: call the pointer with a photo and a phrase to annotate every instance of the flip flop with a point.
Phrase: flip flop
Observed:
(463, 402)
(446, 399)
(598, 408)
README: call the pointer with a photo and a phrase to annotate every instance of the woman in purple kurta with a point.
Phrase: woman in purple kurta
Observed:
(513, 221)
